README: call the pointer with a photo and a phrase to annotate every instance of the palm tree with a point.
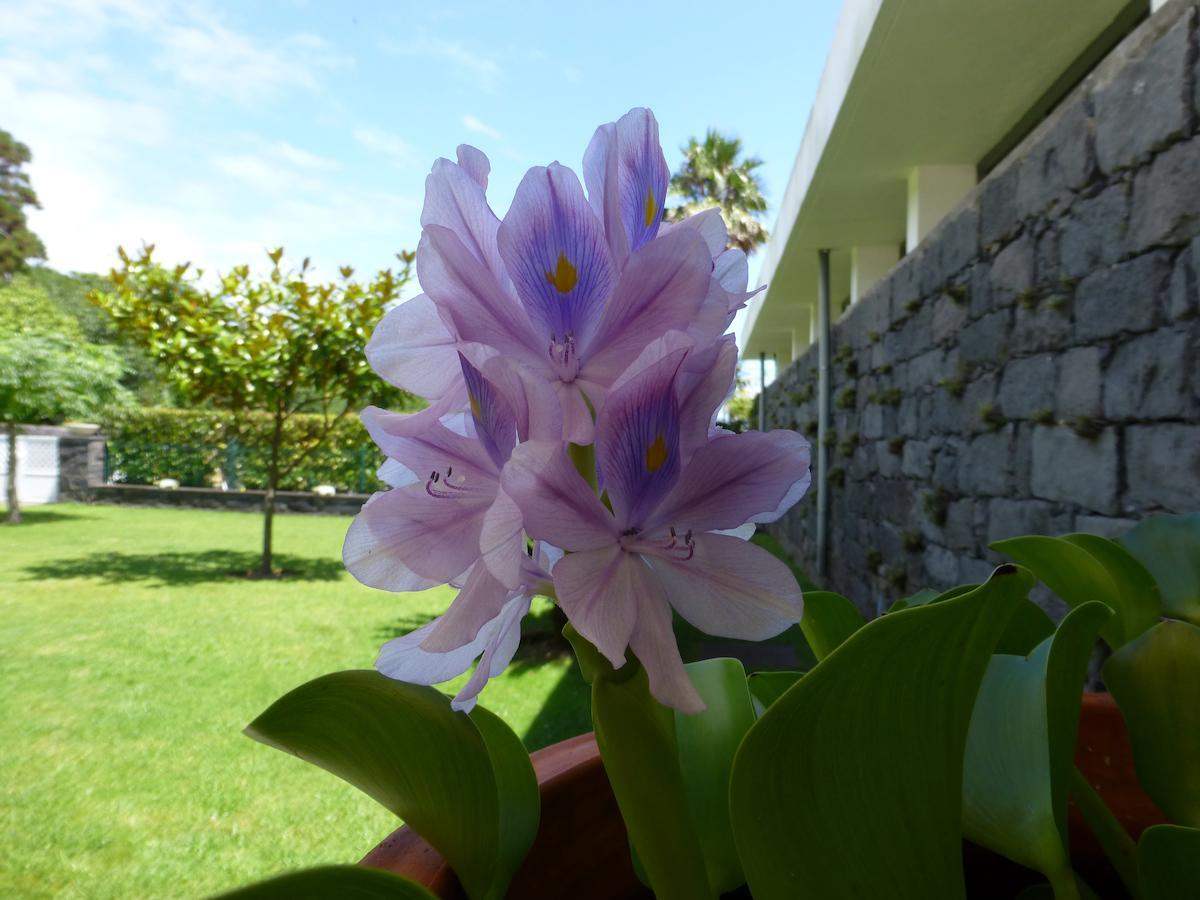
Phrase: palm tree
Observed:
(711, 175)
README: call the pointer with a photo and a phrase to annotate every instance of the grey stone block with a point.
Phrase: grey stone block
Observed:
(1079, 383)
(1071, 469)
(887, 463)
(1058, 162)
(1147, 377)
(1012, 271)
(1013, 518)
(1094, 233)
(941, 565)
(986, 339)
(925, 370)
(1027, 386)
(962, 517)
(1124, 298)
(917, 459)
(981, 390)
(1042, 328)
(1047, 262)
(1183, 299)
(974, 571)
(1142, 108)
(1105, 526)
(980, 290)
(983, 468)
(1166, 201)
(1162, 467)
(906, 283)
(949, 316)
(958, 239)
(998, 206)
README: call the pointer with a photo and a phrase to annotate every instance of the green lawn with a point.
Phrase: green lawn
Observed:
(130, 660)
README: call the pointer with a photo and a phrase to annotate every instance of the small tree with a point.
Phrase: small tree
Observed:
(17, 242)
(48, 372)
(279, 344)
(711, 175)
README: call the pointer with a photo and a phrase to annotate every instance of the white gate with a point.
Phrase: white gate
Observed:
(37, 467)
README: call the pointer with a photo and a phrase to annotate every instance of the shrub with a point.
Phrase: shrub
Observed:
(202, 447)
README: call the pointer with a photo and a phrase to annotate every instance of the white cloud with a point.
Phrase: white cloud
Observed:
(207, 55)
(386, 143)
(477, 66)
(473, 124)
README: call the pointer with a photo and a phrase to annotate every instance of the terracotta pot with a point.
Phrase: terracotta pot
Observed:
(581, 851)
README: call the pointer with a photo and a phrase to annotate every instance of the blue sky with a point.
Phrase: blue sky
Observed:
(217, 130)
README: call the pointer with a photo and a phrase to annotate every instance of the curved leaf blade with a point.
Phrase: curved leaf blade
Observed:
(828, 620)
(767, 687)
(1156, 683)
(1169, 546)
(816, 780)
(707, 744)
(343, 882)
(1169, 863)
(1077, 577)
(454, 781)
(1021, 746)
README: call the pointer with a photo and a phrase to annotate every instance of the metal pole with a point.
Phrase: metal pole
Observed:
(762, 392)
(822, 411)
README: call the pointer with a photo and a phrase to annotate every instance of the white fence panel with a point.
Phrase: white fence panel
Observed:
(37, 467)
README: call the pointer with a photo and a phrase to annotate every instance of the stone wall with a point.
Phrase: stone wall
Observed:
(1034, 365)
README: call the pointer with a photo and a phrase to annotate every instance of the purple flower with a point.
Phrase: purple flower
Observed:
(527, 326)
(658, 544)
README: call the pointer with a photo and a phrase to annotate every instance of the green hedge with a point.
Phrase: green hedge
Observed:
(200, 448)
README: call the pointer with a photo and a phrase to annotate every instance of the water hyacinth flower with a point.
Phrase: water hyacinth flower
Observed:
(576, 320)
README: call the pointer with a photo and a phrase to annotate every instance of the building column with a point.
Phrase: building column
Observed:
(933, 191)
(867, 265)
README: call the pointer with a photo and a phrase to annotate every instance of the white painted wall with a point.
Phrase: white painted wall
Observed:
(868, 264)
(37, 468)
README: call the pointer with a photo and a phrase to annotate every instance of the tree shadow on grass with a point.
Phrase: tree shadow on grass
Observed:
(40, 515)
(183, 567)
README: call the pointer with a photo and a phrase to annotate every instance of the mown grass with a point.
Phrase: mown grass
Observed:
(130, 660)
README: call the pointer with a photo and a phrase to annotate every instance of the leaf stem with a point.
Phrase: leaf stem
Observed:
(1118, 846)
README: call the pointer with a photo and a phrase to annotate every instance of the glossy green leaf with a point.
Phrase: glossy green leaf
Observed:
(767, 687)
(464, 783)
(1135, 584)
(1156, 682)
(637, 741)
(1021, 747)
(1027, 628)
(820, 806)
(326, 882)
(1071, 571)
(1169, 546)
(707, 743)
(828, 620)
(1169, 863)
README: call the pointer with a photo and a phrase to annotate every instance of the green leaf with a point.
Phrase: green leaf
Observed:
(343, 882)
(1135, 584)
(767, 687)
(464, 783)
(1027, 628)
(707, 743)
(821, 805)
(1169, 863)
(1169, 546)
(637, 741)
(828, 620)
(1021, 747)
(1156, 682)
(1069, 568)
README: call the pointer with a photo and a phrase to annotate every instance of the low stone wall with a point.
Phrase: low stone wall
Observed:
(1034, 365)
(210, 498)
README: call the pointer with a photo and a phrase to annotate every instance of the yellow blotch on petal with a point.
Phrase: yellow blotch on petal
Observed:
(564, 275)
(474, 401)
(656, 454)
(651, 207)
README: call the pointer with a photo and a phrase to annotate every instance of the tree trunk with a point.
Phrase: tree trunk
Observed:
(266, 568)
(14, 505)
